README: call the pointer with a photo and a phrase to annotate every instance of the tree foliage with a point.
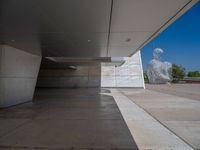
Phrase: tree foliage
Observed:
(146, 79)
(193, 74)
(178, 72)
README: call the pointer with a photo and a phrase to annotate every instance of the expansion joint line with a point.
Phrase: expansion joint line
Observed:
(109, 28)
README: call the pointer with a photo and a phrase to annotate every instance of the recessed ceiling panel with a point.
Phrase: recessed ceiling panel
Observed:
(143, 15)
(128, 38)
(84, 28)
(70, 28)
(136, 21)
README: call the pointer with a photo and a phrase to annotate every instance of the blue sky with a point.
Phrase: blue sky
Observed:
(180, 42)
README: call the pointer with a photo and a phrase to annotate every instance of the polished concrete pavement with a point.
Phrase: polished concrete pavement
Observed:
(65, 119)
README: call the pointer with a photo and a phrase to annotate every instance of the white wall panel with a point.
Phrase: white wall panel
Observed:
(130, 74)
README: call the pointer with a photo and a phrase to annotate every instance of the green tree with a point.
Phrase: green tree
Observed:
(146, 79)
(178, 72)
(193, 74)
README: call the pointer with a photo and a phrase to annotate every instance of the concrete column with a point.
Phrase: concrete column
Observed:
(18, 75)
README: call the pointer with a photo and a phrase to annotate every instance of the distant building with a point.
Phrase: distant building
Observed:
(192, 79)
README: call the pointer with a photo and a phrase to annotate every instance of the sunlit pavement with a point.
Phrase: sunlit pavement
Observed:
(177, 114)
(191, 91)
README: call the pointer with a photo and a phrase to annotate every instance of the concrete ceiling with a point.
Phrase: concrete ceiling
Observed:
(85, 28)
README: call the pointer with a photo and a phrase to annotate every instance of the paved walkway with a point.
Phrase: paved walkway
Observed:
(65, 119)
(190, 91)
(181, 116)
(148, 133)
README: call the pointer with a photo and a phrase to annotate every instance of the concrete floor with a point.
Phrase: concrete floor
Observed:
(161, 117)
(65, 119)
(180, 115)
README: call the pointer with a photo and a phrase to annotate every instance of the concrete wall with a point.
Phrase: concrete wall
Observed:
(18, 75)
(83, 76)
(130, 74)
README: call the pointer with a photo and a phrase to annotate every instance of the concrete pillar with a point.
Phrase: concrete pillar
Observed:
(18, 75)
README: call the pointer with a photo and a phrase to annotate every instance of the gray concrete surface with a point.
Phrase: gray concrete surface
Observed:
(178, 114)
(83, 76)
(18, 75)
(191, 91)
(65, 119)
(148, 133)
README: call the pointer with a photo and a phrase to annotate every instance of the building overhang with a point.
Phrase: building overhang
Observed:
(86, 28)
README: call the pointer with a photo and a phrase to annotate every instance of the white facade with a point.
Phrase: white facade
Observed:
(130, 74)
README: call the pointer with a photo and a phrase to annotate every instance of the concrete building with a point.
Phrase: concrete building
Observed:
(84, 44)
(82, 34)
